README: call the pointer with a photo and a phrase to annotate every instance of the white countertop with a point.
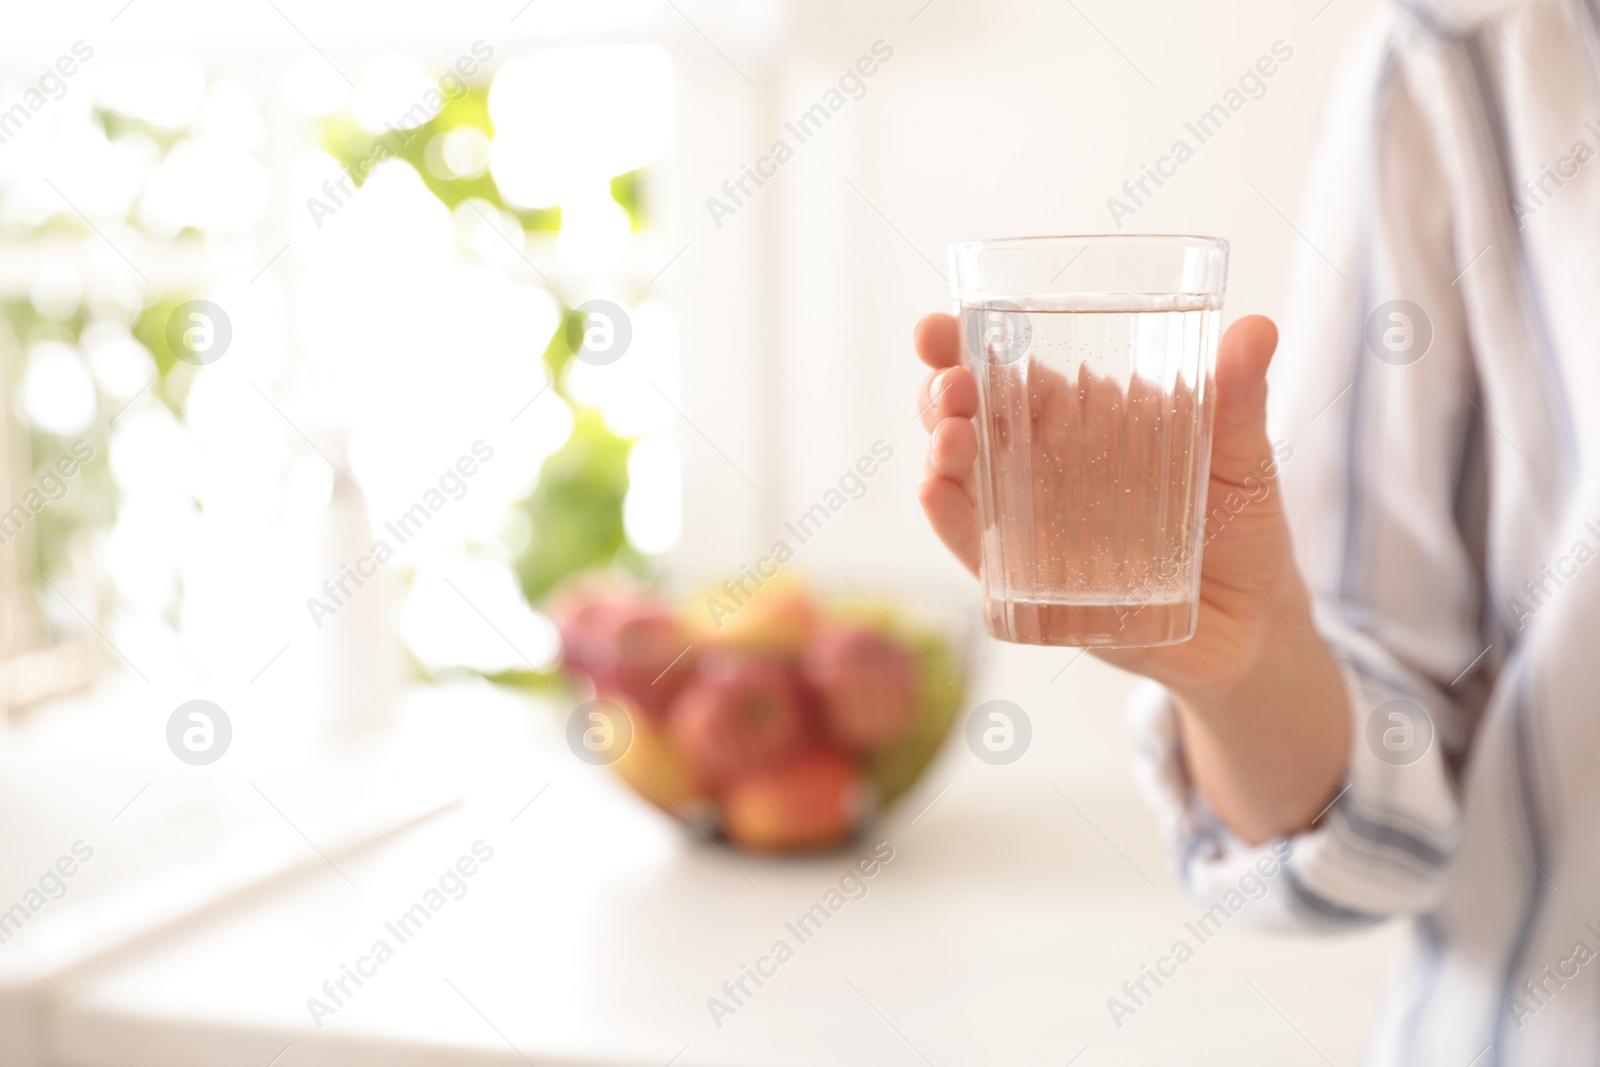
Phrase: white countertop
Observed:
(599, 929)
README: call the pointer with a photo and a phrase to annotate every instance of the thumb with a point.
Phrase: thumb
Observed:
(1239, 442)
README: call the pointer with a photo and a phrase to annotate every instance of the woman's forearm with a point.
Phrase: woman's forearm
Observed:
(1270, 753)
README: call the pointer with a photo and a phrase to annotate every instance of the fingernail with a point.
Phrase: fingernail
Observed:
(938, 384)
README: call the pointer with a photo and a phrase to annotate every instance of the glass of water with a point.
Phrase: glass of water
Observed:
(1094, 359)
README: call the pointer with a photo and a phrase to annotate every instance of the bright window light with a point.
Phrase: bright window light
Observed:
(594, 232)
(612, 104)
(632, 393)
(391, 93)
(443, 626)
(57, 390)
(164, 91)
(205, 185)
(313, 87)
(121, 365)
(652, 513)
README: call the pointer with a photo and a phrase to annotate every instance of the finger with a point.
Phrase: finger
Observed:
(954, 449)
(938, 340)
(925, 412)
(953, 517)
(958, 394)
(1049, 517)
(1240, 447)
(928, 396)
(949, 393)
(1110, 479)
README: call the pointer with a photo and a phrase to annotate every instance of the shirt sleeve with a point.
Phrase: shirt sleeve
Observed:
(1377, 463)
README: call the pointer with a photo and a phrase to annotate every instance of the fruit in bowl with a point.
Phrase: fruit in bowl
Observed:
(627, 644)
(868, 683)
(652, 765)
(814, 800)
(785, 726)
(739, 715)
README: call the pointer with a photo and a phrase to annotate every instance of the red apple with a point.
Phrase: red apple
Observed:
(737, 715)
(578, 616)
(868, 683)
(629, 646)
(812, 801)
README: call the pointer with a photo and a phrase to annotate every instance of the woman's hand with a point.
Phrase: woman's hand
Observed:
(1263, 707)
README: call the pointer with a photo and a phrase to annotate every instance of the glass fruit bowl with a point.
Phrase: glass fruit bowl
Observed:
(782, 725)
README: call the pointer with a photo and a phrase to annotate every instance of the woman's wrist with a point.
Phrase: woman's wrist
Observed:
(1268, 750)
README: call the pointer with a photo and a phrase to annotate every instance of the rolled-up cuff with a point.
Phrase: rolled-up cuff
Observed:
(1382, 848)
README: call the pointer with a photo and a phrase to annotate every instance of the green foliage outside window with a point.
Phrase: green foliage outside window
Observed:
(575, 511)
(360, 151)
(90, 497)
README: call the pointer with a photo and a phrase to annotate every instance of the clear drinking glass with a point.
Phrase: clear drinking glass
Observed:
(1094, 359)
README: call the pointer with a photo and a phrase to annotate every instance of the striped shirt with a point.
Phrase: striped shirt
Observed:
(1444, 351)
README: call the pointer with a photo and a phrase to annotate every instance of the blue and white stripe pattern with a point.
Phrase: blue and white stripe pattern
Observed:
(1447, 514)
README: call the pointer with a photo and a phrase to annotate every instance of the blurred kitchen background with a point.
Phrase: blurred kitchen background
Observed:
(517, 161)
